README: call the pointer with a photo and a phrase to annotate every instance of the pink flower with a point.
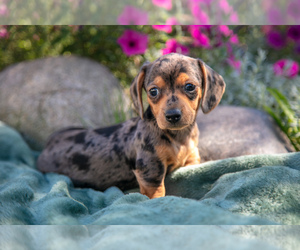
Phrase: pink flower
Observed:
(267, 28)
(133, 42)
(224, 29)
(223, 4)
(234, 39)
(166, 28)
(234, 18)
(266, 5)
(236, 64)
(196, 7)
(276, 40)
(3, 33)
(133, 16)
(294, 9)
(167, 4)
(172, 21)
(294, 32)
(3, 10)
(207, 1)
(200, 16)
(202, 1)
(200, 39)
(172, 46)
(287, 68)
(205, 27)
(229, 49)
(275, 16)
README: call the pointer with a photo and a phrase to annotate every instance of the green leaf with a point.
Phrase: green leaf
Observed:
(283, 103)
(276, 118)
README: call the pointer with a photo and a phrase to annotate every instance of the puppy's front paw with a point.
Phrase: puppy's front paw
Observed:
(154, 192)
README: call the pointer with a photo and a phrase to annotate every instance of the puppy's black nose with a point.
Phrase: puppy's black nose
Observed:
(173, 115)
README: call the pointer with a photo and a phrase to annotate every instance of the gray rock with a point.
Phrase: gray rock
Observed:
(230, 131)
(44, 95)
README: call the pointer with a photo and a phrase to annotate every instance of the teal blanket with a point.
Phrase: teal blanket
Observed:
(247, 190)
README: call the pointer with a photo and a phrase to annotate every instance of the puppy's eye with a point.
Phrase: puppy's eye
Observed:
(153, 92)
(189, 87)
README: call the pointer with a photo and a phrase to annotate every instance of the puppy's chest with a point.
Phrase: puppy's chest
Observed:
(175, 154)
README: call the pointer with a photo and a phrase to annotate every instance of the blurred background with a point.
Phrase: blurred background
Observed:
(259, 63)
(155, 11)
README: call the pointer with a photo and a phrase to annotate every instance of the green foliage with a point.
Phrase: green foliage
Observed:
(285, 117)
(95, 42)
(248, 86)
(258, 87)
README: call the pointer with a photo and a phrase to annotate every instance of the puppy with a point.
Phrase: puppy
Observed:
(143, 150)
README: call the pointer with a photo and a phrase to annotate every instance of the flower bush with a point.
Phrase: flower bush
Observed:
(249, 60)
(167, 4)
(133, 16)
(287, 68)
(143, 12)
(133, 43)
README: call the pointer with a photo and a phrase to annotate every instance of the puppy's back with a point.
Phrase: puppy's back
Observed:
(96, 158)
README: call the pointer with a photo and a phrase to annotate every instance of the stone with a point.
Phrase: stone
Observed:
(230, 131)
(41, 96)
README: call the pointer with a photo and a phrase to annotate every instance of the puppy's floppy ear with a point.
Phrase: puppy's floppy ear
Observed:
(213, 87)
(136, 90)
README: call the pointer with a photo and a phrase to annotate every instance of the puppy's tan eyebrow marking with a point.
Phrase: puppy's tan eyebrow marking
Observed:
(159, 82)
(182, 79)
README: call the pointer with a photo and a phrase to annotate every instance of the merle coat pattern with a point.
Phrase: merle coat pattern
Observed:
(141, 151)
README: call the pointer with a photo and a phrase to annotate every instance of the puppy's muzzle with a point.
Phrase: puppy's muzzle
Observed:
(173, 115)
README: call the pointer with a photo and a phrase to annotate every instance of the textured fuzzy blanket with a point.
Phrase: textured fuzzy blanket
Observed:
(247, 190)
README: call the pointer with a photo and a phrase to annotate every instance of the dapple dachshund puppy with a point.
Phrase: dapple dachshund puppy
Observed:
(143, 150)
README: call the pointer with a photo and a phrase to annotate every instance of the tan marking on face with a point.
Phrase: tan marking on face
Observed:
(191, 104)
(158, 82)
(182, 79)
(158, 109)
(187, 106)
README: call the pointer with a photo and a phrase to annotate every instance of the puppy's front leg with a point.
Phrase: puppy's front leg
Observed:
(150, 173)
(193, 158)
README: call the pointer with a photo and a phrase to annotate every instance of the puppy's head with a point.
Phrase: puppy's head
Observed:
(175, 85)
